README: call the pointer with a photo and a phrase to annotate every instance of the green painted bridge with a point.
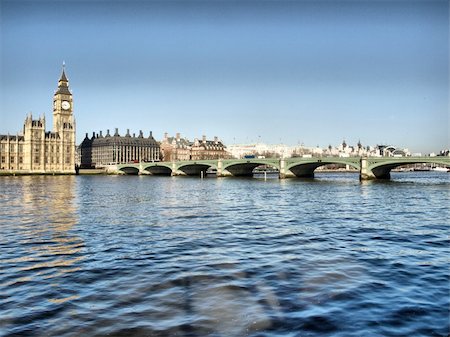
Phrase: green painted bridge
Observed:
(368, 167)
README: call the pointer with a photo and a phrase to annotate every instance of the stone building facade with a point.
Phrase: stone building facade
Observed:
(175, 148)
(208, 149)
(100, 150)
(36, 150)
(178, 149)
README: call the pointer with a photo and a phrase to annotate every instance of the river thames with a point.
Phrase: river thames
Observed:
(177, 256)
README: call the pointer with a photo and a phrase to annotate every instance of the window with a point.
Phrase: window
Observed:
(36, 159)
(3, 159)
(20, 160)
(12, 148)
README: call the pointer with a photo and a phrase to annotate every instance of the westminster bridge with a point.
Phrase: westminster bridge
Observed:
(368, 167)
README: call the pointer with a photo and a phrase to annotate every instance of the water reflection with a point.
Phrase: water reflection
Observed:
(46, 246)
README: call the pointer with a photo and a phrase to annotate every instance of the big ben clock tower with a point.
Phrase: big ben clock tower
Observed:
(62, 104)
(64, 123)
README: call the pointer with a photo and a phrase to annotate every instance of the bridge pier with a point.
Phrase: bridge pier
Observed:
(174, 170)
(219, 168)
(282, 172)
(365, 173)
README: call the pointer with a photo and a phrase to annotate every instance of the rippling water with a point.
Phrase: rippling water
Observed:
(149, 256)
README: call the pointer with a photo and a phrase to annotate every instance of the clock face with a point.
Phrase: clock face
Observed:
(65, 105)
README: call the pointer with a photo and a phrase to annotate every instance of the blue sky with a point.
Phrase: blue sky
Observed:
(311, 72)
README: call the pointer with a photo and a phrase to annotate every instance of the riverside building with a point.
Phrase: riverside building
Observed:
(208, 149)
(175, 148)
(178, 149)
(36, 150)
(100, 150)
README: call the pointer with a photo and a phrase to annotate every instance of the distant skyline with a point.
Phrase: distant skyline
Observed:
(292, 72)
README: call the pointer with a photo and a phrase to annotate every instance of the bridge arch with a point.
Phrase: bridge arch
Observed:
(194, 169)
(129, 170)
(156, 169)
(380, 168)
(245, 168)
(305, 169)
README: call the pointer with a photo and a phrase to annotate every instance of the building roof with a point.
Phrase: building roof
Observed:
(63, 77)
(63, 84)
(52, 135)
(178, 142)
(63, 90)
(97, 141)
(210, 144)
(12, 138)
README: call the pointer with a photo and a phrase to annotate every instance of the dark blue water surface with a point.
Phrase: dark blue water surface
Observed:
(162, 256)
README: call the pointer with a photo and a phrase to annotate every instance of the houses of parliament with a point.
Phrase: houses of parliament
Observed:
(36, 150)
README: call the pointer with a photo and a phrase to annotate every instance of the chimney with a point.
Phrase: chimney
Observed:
(134, 135)
(151, 135)
(87, 136)
(93, 135)
(166, 135)
(141, 135)
(107, 133)
(117, 132)
(204, 139)
(178, 136)
(128, 133)
(216, 140)
(101, 135)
